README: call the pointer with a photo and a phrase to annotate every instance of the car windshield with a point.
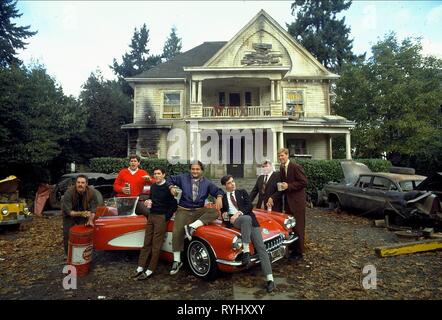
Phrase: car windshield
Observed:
(409, 185)
(125, 205)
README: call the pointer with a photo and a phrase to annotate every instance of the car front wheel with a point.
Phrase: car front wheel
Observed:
(201, 260)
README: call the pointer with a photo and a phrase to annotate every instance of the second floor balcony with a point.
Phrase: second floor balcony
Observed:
(236, 111)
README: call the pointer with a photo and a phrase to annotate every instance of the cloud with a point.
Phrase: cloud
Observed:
(434, 16)
(69, 20)
(402, 17)
(433, 48)
(369, 20)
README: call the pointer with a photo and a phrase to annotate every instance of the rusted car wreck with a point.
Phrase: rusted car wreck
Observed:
(405, 197)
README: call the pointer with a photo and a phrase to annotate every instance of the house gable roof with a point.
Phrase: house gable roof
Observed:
(173, 68)
(257, 23)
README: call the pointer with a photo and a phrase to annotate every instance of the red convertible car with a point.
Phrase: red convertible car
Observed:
(213, 248)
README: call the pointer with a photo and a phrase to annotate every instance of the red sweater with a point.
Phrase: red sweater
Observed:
(136, 182)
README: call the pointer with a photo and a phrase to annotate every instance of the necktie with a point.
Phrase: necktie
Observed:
(195, 189)
(264, 184)
(283, 173)
(232, 198)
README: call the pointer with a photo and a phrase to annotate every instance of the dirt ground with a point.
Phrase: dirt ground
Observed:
(338, 248)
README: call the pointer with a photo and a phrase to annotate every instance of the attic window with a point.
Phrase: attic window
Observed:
(171, 105)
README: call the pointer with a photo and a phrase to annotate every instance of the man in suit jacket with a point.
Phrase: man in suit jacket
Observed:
(237, 211)
(267, 189)
(294, 182)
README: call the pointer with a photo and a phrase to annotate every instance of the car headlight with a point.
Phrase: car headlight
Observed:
(236, 243)
(290, 222)
(5, 211)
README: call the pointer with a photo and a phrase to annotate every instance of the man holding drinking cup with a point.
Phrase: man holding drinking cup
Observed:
(294, 182)
(130, 182)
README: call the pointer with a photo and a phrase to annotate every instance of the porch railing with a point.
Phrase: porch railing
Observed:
(225, 111)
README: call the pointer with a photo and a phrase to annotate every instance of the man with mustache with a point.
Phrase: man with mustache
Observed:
(78, 206)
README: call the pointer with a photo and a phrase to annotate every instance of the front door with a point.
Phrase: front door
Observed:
(236, 169)
(234, 99)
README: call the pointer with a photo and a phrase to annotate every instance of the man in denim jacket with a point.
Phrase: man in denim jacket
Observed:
(191, 213)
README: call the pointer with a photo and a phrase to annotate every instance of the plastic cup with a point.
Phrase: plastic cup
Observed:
(279, 185)
(179, 192)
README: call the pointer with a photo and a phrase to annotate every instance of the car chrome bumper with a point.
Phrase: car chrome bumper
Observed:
(20, 219)
(293, 237)
(280, 251)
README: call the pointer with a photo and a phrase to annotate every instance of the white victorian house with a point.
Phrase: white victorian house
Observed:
(262, 79)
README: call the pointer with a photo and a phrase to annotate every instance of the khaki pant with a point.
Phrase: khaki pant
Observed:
(153, 240)
(183, 217)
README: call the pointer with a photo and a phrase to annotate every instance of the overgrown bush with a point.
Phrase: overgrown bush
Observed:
(320, 172)
(114, 165)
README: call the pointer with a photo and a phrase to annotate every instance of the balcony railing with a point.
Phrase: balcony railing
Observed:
(224, 111)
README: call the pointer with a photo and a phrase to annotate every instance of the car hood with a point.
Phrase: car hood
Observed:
(9, 184)
(352, 170)
(432, 183)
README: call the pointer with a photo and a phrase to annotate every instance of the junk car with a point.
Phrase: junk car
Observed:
(396, 193)
(14, 210)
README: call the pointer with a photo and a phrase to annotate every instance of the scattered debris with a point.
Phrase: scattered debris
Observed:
(409, 234)
(380, 223)
(409, 247)
(428, 232)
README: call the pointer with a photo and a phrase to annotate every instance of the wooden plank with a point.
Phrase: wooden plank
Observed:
(409, 247)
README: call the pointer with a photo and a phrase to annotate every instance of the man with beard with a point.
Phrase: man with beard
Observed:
(78, 206)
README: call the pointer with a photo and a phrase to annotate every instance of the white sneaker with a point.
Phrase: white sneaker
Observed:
(176, 267)
(145, 275)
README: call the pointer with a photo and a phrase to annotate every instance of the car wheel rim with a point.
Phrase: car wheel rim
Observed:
(199, 258)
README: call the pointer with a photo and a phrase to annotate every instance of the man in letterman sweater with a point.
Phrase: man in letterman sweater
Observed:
(130, 182)
(162, 206)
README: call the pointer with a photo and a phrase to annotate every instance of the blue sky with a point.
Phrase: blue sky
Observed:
(77, 37)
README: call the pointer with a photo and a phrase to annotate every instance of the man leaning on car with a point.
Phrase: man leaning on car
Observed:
(191, 213)
(78, 206)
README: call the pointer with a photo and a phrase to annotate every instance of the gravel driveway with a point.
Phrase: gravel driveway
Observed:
(338, 248)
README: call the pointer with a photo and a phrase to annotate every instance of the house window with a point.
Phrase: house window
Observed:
(248, 98)
(297, 147)
(294, 103)
(171, 105)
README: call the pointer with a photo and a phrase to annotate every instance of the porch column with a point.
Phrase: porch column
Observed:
(200, 92)
(272, 90)
(193, 94)
(275, 147)
(195, 141)
(330, 147)
(278, 90)
(198, 144)
(281, 140)
(347, 146)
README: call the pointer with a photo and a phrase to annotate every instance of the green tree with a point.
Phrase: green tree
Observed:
(395, 97)
(37, 122)
(172, 46)
(319, 30)
(108, 109)
(11, 36)
(136, 60)
(36, 117)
